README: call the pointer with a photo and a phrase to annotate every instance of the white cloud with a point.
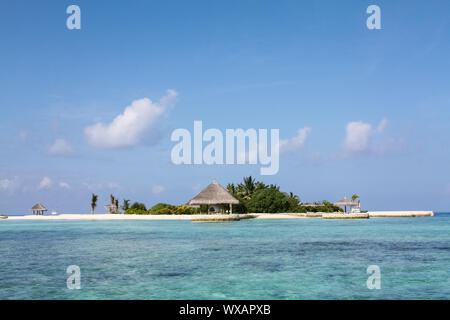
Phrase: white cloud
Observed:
(295, 143)
(64, 185)
(129, 128)
(383, 124)
(60, 148)
(45, 183)
(9, 185)
(357, 136)
(362, 137)
(285, 146)
(113, 185)
(158, 189)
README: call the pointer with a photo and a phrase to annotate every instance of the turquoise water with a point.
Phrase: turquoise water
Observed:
(251, 259)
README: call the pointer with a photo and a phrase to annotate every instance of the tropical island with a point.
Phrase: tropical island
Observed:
(250, 196)
(249, 199)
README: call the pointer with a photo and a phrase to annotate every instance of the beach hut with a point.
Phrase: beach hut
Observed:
(38, 209)
(214, 195)
(345, 203)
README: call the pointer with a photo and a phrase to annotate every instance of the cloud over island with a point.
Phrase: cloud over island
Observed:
(129, 128)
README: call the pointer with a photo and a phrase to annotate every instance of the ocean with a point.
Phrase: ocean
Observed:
(248, 259)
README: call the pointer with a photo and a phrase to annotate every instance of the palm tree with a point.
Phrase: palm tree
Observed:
(126, 205)
(354, 197)
(231, 188)
(293, 196)
(246, 189)
(259, 186)
(94, 202)
(116, 203)
(249, 184)
(243, 192)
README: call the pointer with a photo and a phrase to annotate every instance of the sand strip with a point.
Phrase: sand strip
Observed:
(396, 214)
(209, 216)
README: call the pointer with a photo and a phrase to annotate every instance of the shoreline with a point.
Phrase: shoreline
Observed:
(259, 216)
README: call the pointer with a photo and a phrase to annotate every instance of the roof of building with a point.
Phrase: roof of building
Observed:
(38, 207)
(213, 194)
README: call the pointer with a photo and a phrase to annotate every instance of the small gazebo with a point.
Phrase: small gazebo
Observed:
(213, 195)
(38, 209)
(346, 203)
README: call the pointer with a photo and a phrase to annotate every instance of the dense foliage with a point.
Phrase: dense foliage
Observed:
(164, 208)
(135, 211)
(271, 200)
(257, 197)
(138, 206)
(160, 208)
(323, 206)
(254, 197)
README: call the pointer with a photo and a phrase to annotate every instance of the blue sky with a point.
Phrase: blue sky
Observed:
(286, 65)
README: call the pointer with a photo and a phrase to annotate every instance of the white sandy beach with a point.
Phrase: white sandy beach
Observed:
(189, 217)
(382, 214)
(141, 217)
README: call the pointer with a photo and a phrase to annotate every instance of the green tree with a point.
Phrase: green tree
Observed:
(255, 196)
(249, 184)
(259, 185)
(94, 202)
(158, 207)
(355, 197)
(116, 204)
(126, 205)
(246, 189)
(271, 200)
(138, 205)
(231, 188)
(294, 197)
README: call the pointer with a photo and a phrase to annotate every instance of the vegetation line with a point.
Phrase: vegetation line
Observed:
(254, 197)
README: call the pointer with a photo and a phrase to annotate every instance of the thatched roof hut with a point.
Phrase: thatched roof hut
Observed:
(212, 195)
(345, 203)
(38, 209)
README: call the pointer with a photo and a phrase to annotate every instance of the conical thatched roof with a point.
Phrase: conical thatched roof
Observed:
(213, 194)
(38, 207)
(345, 202)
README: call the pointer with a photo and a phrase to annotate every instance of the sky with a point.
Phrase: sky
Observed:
(92, 110)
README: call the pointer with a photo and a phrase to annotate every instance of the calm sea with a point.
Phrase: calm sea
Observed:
(251, 259)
